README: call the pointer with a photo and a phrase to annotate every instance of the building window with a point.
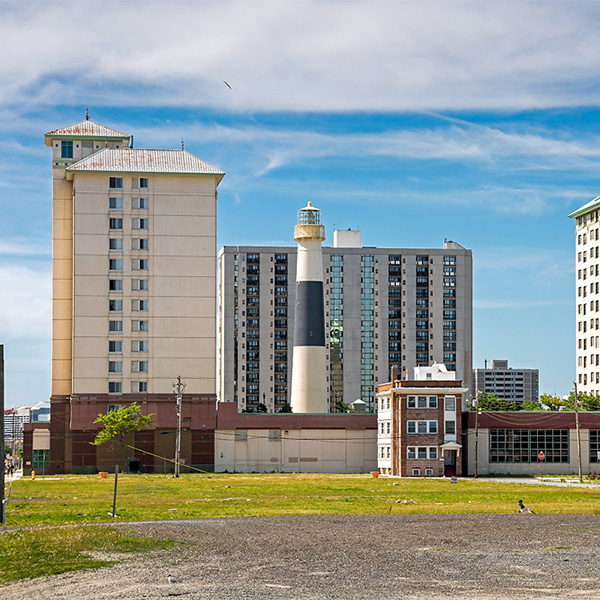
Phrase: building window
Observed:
(450, 427)
(139, 386)
(450, 404)
(140, 244)
(139, 346)
(139, 182)
(422, 452)
(139, 223)
(115, 264)
(115, 244)
(115, 224)
(139, 285)
(524, 445)
(115, 203)
(139, 305)
(139, 366)
(115, 183)
(66, 149)
(137, 203)
(421, 402)
(115, 305)
(139, 264)
(115, 366)
(115, 326)
(115, 285)
(41, 458)
(421, 426)
(114, 387)
(115, 346)
(139, 325)
(595, 445)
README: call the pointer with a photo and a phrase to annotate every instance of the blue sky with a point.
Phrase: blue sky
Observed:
(415, 121)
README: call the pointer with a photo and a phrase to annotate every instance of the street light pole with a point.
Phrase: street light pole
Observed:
(178, 388)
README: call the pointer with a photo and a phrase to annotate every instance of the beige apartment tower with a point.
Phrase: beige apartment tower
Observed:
(134, 267)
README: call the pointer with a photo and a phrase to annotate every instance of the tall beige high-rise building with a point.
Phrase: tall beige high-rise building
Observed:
(134, 267)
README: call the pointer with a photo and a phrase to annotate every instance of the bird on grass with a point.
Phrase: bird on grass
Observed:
(523, 509)
(171, 578)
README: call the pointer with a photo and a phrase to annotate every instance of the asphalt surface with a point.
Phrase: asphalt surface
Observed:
(430, 557)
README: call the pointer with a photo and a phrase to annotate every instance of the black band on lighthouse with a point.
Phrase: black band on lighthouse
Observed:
(309, 329)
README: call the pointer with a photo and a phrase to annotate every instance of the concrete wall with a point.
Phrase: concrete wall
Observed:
(334, 443)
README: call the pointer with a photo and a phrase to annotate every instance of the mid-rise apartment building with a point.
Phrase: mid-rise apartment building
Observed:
(383, 307)
(587, 296)
(516, 385)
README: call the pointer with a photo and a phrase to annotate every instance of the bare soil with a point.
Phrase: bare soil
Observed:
(431, 557)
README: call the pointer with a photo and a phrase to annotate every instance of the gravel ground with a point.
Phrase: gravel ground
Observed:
(431, 557)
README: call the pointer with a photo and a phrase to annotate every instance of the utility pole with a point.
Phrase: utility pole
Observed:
(2, 501)
(178, 388)
(578, 432)
(476, 405)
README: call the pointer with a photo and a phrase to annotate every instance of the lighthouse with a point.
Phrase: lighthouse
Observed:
(309, 374)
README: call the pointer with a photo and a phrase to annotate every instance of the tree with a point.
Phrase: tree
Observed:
(586, 402)
(285, 408)
(491, 402)
(553, 402)
(341, 406)
(120, 423)
(529, 405)
(262, 408)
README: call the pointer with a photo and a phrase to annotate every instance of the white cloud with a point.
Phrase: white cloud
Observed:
(304, 55)
(23, 247)
(274, 148)
(25, 306)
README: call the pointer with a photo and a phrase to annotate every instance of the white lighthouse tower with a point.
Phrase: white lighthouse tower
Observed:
(309, 374)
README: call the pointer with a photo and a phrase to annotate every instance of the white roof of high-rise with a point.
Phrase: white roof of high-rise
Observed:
(591, 205)
(85, 128)
(130, 160)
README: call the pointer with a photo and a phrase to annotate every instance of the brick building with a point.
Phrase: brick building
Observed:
(419, 424)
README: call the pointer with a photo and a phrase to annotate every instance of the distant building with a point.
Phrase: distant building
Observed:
(587, 296)
(515, 385)
(15, 419)
(419, 424)
(384, 307)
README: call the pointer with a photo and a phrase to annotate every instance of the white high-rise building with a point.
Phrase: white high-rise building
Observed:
(587, 296)
(383, 307)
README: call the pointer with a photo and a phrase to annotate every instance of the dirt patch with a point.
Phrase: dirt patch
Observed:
(412, 557)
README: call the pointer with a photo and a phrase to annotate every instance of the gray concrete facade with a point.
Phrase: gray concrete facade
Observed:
(383, 307)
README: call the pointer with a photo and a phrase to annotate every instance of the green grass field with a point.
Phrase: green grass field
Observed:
(85, 499)
(77, 499)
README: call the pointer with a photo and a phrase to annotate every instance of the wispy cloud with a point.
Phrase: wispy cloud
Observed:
(306, 55)
(23, 247)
